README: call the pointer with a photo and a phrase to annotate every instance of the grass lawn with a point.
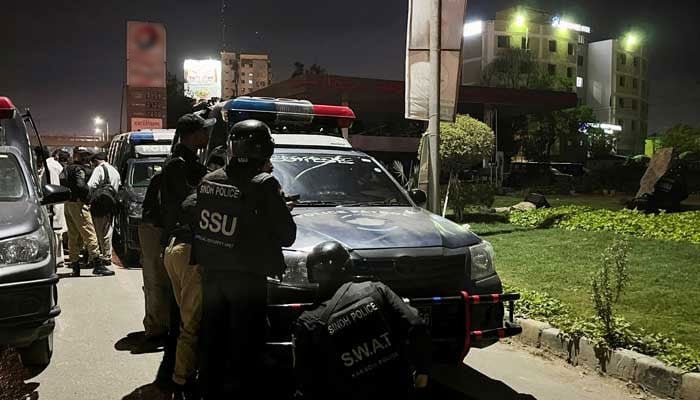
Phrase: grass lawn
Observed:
(664, 291)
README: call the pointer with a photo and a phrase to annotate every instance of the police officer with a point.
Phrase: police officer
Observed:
(182, 173)
(243, 224)
(363, 343)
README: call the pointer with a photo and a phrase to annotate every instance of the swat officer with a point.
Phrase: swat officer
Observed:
(243, 223)
(363, 343)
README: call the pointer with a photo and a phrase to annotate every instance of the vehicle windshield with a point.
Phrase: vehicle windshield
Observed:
(12, 184)
(142, 172)
(328, 179)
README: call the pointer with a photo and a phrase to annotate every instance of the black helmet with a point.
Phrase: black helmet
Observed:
(251, 139)
(329, 262)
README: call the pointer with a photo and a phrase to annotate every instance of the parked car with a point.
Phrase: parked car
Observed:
(137, 156)
(138, 174)
(347, 196)
(28, 278)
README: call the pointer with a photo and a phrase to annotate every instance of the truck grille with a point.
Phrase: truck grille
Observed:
(416, 276)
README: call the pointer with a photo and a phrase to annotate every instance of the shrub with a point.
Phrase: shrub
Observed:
(464, 194)
(681, 227)
(541, 306)
(607, 284)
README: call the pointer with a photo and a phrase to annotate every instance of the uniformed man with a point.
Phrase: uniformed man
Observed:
(243, 223)
(363, 343)
(181, 175)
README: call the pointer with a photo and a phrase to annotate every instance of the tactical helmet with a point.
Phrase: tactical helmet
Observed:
(250, 139)
(328, 262)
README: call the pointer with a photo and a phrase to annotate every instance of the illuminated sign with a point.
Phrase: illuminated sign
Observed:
(473, 28)
(557, 22)
(202, 79)
(607, 128)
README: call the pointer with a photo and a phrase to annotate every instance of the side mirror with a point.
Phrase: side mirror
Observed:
(54, 194)
(418, 196)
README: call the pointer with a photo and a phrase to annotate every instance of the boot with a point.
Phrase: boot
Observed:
(75, 266)
(100, 270)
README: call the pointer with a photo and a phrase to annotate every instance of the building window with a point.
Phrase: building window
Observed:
(503, 42)
(622, 81)
(621, 102)
(524, 44)
(552, 69)
(635, 83)
(633, 125)
(242, 73)
(579, 82)
(242, 80)
(644, 66)
(250, 81)
(581, 39)
(636, 61)
(569, 72)
(570, 49)
(621, 122)
(622, 58)
(552, 46)
(634, 104)
(580, 61)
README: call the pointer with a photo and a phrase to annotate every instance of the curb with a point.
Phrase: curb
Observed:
(647, 372)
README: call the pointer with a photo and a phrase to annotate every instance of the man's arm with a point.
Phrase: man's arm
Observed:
(95, 178)
(283, 225)
(80, 185)
(412, 327)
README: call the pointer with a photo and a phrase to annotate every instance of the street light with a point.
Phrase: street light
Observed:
(520, 21)
(99, 121)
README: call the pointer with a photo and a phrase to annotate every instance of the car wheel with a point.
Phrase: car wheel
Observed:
(37, 356)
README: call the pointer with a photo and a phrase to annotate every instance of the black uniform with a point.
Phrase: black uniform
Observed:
(243, 222)
(364, 343)
(75, 177)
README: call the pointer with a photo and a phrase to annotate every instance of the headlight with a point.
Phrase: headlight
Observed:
(135, 209)
(296, 272)
(482, 260)
(25, 249)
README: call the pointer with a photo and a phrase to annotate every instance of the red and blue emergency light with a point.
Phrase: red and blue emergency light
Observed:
(286, 112)
(7, 109)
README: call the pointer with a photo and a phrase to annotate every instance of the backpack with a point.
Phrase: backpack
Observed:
(103, 200)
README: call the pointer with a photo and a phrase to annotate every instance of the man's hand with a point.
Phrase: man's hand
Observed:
(420, 381)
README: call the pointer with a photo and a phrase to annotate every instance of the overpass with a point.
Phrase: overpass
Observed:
(69, 141)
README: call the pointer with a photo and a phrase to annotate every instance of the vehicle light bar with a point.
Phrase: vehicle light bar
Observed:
(146, 137)
(7, 109)
(285, 111)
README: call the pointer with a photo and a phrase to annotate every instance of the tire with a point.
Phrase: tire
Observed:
(37, 356)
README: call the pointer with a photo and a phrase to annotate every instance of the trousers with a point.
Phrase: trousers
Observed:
(233, 334)
(187, 288)
(81, 231)
(103, 230)
(157, 288)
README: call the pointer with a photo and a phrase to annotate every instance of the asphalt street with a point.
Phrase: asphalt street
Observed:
(98, 312)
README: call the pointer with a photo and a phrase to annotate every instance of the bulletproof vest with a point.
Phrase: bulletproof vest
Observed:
(225, 229)
(358, 338)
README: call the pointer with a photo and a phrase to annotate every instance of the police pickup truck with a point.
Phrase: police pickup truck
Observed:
(441, 267)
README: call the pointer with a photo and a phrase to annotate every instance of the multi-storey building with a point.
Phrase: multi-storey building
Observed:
(559, 45)
(609, 76)
(618, 89)
(244, 73)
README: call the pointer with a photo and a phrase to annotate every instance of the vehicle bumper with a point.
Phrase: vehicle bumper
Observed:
(28, 311)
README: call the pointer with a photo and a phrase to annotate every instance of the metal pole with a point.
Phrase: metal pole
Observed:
(107, 124)
(434, 109)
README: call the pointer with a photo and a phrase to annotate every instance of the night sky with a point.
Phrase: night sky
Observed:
(65, 59)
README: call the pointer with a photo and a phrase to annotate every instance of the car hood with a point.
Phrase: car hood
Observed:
(19, 218)
(378, 227)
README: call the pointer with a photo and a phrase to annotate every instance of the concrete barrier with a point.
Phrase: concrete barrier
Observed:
(690, 387)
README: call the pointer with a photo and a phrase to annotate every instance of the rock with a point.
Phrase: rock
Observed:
(524, 206)
(658, 167)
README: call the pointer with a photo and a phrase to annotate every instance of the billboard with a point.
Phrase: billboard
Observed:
(202, 79)
(418, 78)
(146, 106)
(145, 54)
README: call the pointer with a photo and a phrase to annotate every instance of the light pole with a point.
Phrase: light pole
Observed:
(99, 121)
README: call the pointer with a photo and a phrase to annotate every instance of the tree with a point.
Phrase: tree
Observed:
(298, 69)
(545, 129)
(178, 103)
(682, 138)
(464, 143)
(314, 69)
(518, 68)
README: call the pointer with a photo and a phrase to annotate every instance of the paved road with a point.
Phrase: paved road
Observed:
(99, 311)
